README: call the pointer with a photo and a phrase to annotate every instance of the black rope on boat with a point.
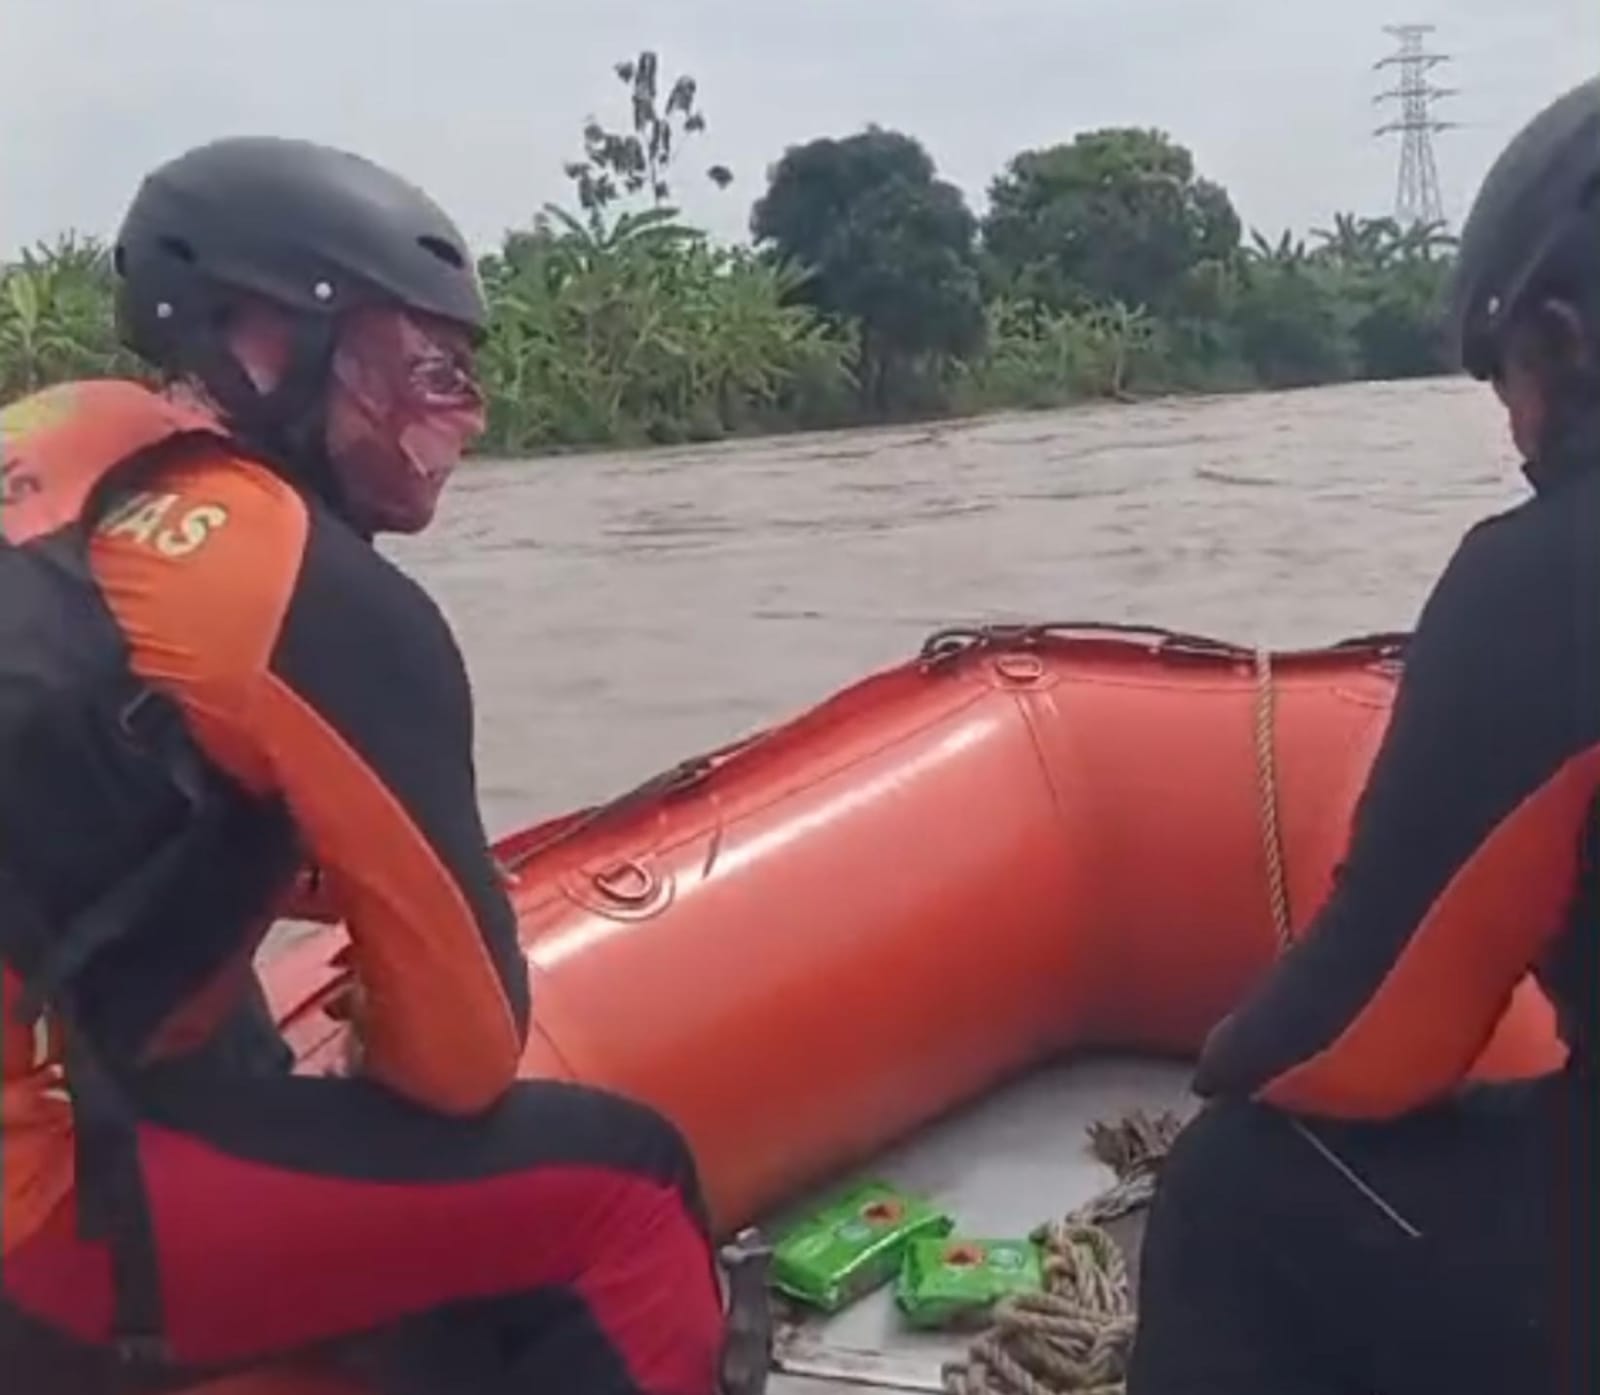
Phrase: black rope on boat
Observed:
(953, 642)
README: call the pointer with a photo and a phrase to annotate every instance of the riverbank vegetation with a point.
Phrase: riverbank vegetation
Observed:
(1105, 266)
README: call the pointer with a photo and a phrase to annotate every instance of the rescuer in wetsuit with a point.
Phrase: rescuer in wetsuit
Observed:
(499, 1236)
(1343, 1218)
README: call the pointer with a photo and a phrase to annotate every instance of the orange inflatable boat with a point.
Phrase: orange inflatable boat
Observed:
(1025, 841)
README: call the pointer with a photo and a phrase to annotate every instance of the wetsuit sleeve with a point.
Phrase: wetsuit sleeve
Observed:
(1463, 856)
(366, 715)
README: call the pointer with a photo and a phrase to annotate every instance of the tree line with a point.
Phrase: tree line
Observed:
(1103, 267)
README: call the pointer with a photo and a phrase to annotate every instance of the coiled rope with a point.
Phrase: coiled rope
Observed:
(1075, 1337)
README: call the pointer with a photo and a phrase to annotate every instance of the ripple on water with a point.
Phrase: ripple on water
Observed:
(620, 611)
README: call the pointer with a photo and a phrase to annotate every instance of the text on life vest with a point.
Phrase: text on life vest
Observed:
(155, 521)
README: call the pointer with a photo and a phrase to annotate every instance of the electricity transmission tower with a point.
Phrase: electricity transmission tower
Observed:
(1417, 198)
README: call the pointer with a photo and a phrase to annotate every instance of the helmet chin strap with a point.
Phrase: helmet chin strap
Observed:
(288, 425)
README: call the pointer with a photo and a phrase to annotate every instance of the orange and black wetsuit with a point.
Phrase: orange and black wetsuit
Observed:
(1342, 1218)
(553, 1234)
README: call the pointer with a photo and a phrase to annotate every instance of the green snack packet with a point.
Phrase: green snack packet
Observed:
(853, 1245)
(953, 1282)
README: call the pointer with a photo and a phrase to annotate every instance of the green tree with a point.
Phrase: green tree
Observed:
(1353, 241)
(1390, 281)
(56, 318)
(1399, 333)
(637, 160)
(642, 331)
(1117, 215)
(884, 243)
(1291, 323)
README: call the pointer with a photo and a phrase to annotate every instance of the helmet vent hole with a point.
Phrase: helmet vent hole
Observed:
(443, 250)
(179, 248)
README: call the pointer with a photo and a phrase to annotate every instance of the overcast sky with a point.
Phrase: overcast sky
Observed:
(482, 100)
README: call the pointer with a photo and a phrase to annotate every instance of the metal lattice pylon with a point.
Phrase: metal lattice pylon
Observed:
(1417, 197)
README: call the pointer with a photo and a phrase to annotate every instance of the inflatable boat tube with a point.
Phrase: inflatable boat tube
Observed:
(1023, 842)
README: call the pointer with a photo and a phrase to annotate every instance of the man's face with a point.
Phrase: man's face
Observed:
(403, 406)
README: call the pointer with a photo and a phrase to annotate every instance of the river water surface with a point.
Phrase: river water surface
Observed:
(619, 612)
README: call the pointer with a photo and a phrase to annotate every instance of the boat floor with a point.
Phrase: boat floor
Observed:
(1002, 1166)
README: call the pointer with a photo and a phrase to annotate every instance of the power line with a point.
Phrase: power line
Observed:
(1417, 197)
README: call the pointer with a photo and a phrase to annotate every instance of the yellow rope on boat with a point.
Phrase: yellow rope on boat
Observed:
(1267, 783)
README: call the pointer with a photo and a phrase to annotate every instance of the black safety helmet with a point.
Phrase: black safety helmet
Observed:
(1534, 229)
(316, 230)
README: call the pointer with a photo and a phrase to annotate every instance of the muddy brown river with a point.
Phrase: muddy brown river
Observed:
(619, 612)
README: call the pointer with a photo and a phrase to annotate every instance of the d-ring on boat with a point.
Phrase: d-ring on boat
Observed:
(902, 919)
